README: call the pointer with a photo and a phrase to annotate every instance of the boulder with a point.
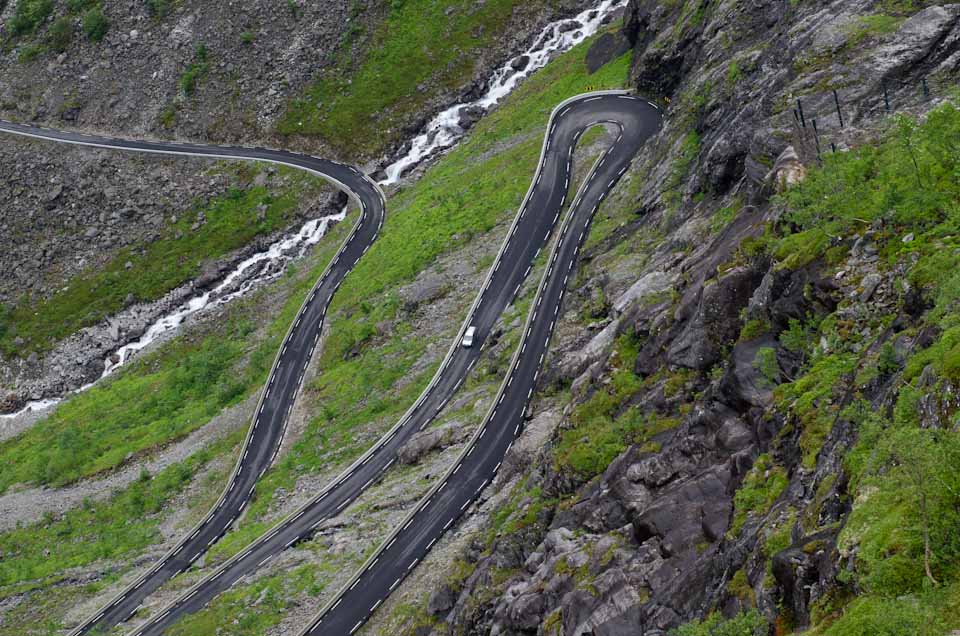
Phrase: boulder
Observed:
(423, 442)
(787, 170)
(441, 600)
(649, 284)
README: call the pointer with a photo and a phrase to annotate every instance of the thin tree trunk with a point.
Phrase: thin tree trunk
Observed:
(926, 537)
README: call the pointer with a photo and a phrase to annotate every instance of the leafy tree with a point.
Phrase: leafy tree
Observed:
(917, 496)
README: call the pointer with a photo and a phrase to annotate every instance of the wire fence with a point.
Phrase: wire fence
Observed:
(810, 125)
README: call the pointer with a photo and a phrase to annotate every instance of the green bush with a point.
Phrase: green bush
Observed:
(750, 623)
(28, 15)
(886, 617)
(766, 364)
(159, 8)
(95, 24)
(197, 69)
(30, 52)
(60, 34)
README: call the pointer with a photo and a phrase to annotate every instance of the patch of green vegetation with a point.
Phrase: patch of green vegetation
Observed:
(797, 337)
(414, 618)
(872, 26)
(765, 362)
(251, 609)
(97, 430)
(778, 538)
(684, 159)
(872, 616)
(811, 398)
(907, 181)
(361, 104)
(602, 427)
(79, 6)
(750, 623)
(30, 52)
(733, 74)
(740, 587)
(95, 24)
(761, 487)
(755, 328)
(40, 554)
(159, 8)
(522, 510)
(725, 215)
(60, 34)
(168, 116)
(28, 15)
(195, 70)
(904, 523)
(93, 294)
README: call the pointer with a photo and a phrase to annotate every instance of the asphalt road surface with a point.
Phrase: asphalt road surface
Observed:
(476, 467)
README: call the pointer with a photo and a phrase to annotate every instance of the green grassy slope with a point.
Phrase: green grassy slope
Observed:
(155, 268)
(359, 107)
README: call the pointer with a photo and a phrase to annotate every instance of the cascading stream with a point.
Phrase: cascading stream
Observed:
(443, 131)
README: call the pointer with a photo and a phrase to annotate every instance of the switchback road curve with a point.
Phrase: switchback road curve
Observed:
(265, 435)
(529, 234)
(478, 463)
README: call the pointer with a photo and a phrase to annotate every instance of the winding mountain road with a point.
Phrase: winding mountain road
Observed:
(541, 210)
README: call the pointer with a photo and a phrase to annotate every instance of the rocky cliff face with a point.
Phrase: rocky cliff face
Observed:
(728, 486)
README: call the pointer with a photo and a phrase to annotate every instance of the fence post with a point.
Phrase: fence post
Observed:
(836, 100)
(816, 135)
(803, 121)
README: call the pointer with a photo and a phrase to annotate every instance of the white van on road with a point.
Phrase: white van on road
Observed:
(467, 341)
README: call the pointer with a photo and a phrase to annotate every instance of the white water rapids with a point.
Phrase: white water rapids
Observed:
(442, 132)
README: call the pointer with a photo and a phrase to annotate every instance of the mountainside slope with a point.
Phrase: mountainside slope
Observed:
(750, 415)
